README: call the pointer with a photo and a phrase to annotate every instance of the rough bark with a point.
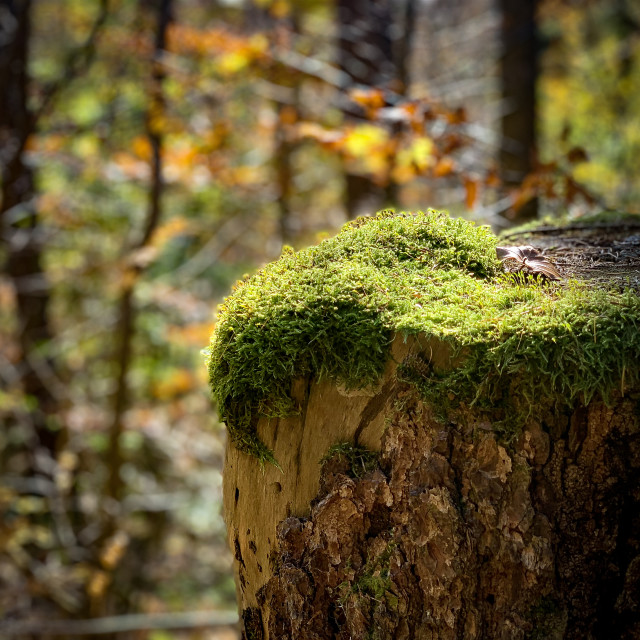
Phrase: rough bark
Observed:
(456, 531)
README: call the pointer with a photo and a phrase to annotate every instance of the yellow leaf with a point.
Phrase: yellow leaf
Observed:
(193, 334)
(364, 139)
(232, 62)
(170, 229)
(422, 152)
(180, 381)
(114, 549)
(403, 173)
(98, 584)
(141, 147)
(280, 9)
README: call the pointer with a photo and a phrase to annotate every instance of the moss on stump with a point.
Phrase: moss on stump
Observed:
(331, 311)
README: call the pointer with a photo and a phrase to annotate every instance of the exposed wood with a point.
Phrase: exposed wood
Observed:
(329, 415)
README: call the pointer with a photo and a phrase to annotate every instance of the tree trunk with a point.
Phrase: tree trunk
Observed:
(449, 529)
(160, 12)
(519, 68)
(20, 229)
(365, 55)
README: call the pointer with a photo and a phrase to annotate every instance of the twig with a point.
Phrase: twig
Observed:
(78, 61)
(126, 312)
(224, 237)
(120, 624)
(313, 67)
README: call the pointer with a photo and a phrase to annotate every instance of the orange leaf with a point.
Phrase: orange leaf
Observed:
(444, 167)
(458, 116)
(288, 115)
(522, 195)
(492, 179)
(471, 192)
(369, 99)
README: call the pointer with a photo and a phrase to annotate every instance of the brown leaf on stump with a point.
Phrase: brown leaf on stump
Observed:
(529, 259)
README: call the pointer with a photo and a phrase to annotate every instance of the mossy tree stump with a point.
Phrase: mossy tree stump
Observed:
(424, 447)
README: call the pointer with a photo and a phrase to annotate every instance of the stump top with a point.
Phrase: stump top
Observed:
(604, 250)
(331, 311)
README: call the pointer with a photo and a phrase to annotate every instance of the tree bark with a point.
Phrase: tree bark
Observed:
(452, 531)
(21, 233)
(519, 70)
(365, 55)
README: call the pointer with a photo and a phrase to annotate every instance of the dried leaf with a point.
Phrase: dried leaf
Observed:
(530, 259)
(577, 154)
(444, 167)
(471, 192)
(369, 99)
(492, 179)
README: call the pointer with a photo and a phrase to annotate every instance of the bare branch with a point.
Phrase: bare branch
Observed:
(119, 624)
(78, 61)
(126, 314)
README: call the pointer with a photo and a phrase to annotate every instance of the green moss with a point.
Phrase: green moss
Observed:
(374, 581)
(372, 591)
(548, 619)
(360, 459)
(331, 311)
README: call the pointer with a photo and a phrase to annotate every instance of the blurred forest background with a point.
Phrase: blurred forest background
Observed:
(154, 151)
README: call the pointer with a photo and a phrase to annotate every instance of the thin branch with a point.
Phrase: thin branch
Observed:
(78, 61)
(120, 624)
(312, 67)
(154, 122)
(126, 312)
(224, 237)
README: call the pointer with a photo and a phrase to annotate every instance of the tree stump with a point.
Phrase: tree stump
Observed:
(458, 450)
